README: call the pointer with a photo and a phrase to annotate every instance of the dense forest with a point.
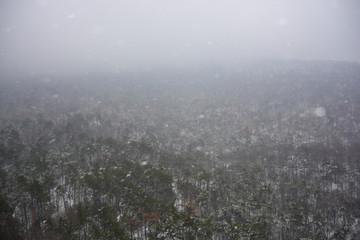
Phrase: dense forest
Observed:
(263, 151)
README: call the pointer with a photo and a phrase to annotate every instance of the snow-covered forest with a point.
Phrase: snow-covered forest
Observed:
(261, 151)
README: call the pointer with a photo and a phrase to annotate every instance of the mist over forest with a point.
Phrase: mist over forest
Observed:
(179, 120)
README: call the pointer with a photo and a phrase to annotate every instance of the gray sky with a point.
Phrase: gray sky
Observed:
(50, 36)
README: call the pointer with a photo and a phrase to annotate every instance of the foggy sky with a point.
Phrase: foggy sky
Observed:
(50, 36)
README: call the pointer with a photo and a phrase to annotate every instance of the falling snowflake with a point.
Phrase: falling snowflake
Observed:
(282, 21)
(334, 4)
(320, 112)
(119, 42)
(97, 30)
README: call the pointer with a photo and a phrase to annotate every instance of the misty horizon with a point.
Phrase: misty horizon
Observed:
(50, 37)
